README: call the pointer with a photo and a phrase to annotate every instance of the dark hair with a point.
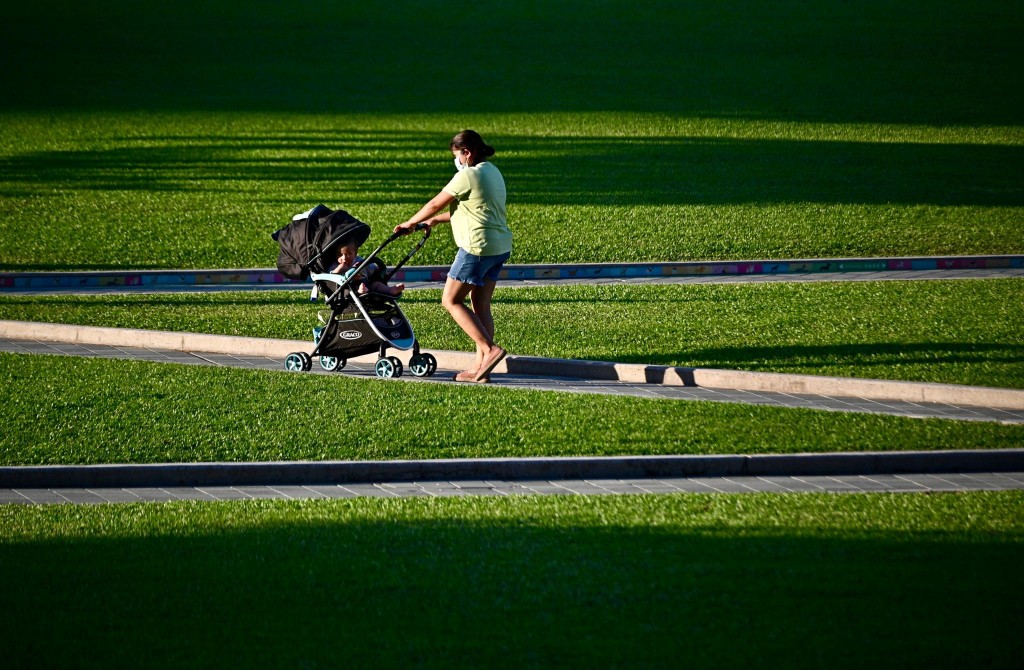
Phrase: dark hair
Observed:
(470, 139)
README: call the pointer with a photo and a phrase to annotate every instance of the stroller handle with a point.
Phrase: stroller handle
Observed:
(408, 231)
(419, 245)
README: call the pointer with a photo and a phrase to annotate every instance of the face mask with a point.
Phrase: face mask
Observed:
(459, 165)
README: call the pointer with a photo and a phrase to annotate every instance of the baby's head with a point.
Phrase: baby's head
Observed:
(347, 255)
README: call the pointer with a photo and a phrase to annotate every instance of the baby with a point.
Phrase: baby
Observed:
(348, 259)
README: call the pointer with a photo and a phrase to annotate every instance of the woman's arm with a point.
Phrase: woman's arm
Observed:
(427, 212)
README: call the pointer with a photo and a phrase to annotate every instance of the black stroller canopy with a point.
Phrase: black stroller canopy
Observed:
(343, 229)
(311, 240)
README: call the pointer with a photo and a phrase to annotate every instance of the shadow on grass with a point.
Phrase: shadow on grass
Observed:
(935, 62)
(504, 594)
(552, 171)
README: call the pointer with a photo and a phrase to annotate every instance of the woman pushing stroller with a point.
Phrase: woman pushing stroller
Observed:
(475, 197)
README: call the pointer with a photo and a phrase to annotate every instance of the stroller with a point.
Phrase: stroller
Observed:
(356, 324)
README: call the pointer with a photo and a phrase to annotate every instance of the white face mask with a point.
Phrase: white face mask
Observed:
(459, 165)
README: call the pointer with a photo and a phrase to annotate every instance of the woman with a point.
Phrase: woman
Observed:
(476, 197)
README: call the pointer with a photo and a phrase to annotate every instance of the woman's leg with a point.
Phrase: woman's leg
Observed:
(454, 301)
(480, 299)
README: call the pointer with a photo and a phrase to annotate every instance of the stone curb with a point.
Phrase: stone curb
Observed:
(506, 469)
(872, 389)
(270, 277)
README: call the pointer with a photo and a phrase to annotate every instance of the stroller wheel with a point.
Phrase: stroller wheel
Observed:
(387, 368)
(294, 362)
(422, 365)
(307, 362)
(332, 363)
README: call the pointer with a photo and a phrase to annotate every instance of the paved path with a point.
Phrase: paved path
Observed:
(904, 483)
(364, 370)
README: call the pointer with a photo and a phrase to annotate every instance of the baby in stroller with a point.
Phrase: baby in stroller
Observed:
(348, 258)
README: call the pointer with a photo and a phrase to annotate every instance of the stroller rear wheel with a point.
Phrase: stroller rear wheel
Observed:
(298, 362)
(423, 365)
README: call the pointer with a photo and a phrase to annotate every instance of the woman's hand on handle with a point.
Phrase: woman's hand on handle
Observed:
(428, 211)
(404, 228)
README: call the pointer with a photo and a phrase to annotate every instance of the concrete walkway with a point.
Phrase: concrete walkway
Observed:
(906, 483)
(890, 472)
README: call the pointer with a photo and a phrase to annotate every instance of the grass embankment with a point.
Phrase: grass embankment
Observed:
(70, 410)
(961, 332)
(654, 581)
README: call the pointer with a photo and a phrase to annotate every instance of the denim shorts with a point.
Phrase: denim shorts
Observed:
(477, 270)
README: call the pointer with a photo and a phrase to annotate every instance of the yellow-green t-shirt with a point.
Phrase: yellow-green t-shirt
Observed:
(479, 222)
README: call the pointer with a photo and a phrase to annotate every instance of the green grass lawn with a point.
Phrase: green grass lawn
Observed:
(848, 581)
(112, 191)
(62, 410)
(961, 332)
(152, 136)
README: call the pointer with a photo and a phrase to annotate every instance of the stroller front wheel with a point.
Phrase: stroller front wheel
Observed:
(332, 363)
(388, 368)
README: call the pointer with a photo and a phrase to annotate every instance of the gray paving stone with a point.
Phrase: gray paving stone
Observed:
(967, 482)
(297, 492)
(825, 483)
(546, 488)
(932, 482)
(479, 492)
(224, 492)
(80, 496)
(652, 486)
(689, 484)
(764, 484)
(332, 491)
(116, 495)
(367, 491)
(152, 494)
(43, 496)
(616, 486)
(735, 484)
(405, 490)
(895, 483)
(861, 484)
(10, 496)
(509, 489)
(581, 487)
(431, 489)
(187, 493)
(260, 492)
(1007, 480)
(470, 484)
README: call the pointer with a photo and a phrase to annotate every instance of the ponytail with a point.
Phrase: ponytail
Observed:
(471, 140)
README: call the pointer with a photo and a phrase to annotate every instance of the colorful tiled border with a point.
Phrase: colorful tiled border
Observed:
(270, 277)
